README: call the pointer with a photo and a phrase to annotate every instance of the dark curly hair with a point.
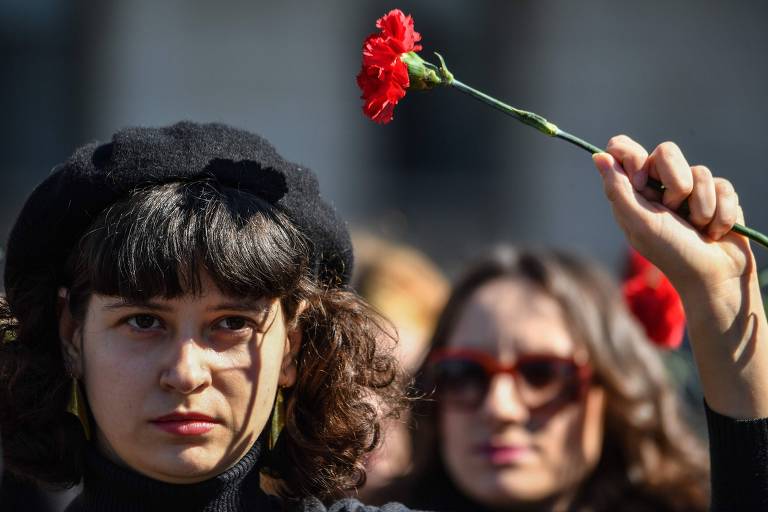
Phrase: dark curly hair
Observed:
(158, 242)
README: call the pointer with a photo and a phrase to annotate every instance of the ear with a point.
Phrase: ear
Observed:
(69, 332)
(289, 367)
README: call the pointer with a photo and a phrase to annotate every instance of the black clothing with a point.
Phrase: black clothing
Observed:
(18, 494)
(61, 208)
(111, 488)
(738, 451)
(738, 448)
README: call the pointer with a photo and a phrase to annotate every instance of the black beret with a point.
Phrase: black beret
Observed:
(62, 207)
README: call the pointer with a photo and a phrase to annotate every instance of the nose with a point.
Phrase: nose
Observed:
(186, 370)
(502, 402)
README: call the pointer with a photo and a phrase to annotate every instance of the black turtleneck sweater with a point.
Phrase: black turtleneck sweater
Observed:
(109, 487)
(738, 451)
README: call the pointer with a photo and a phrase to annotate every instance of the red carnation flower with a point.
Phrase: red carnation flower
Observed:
(654, 302)
(384, 76)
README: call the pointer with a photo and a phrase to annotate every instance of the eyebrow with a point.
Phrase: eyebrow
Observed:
(240, 305)
(143, 304)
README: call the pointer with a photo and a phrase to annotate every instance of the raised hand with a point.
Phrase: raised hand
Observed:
(712, 268)
(692, 251)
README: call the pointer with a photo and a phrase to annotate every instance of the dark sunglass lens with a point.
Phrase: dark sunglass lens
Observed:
(460, 382)
(543, 382)
(539, 374)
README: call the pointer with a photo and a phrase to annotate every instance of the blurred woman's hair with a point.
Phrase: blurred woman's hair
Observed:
(649, 454)
(407, 289)
(404, 286)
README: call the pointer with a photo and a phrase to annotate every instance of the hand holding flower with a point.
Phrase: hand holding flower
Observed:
(391, 65)
(688, 223)
(712, 268)
(698, 249)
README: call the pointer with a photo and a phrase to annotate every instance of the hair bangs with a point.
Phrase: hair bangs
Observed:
(161, 241)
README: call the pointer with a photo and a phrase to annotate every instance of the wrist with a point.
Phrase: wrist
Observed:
(729, 335)
(718, 305)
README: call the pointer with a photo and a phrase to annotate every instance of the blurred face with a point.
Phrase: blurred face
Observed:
(519, 422)
(180, 389)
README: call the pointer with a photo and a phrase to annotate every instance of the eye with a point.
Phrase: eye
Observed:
(459, 370)
(144, 322)
(461, 382)
(232, 323)
(540, 373)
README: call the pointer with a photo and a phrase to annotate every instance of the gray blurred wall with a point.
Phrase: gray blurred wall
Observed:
(448, 174)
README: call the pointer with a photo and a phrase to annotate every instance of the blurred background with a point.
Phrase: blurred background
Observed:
(447, 175)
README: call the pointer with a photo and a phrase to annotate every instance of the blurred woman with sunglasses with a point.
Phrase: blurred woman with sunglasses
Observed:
(549, 397)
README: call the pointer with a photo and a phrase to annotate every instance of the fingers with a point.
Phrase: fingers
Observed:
(619, 191)
(727, 210)
(668, 164)
(631, 156)
(703, 199)
(626, 166)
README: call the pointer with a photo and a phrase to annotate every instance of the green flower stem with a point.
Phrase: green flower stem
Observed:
(750, 233)
(578, 142)
(523, 116)
(547, 128)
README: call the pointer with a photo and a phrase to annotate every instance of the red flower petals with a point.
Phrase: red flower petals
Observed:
(383, 78)
(654, 302)
(399, 31)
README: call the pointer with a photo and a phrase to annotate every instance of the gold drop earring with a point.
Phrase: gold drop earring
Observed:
(77, 407)
(278, 419)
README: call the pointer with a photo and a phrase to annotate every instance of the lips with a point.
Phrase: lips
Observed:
(185, 424)
(504, 454)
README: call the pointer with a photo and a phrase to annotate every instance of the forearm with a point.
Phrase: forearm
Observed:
(729, 333)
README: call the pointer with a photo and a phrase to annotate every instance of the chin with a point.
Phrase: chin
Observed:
(525, 486)
(512, 499)
(509, 486)
(187, 465)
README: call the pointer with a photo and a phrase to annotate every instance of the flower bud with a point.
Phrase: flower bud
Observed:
(422, 76)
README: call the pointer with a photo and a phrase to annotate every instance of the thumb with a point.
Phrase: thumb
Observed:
(628, 206)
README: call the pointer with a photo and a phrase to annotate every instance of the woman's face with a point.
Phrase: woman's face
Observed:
(180, 389)
(504, 452)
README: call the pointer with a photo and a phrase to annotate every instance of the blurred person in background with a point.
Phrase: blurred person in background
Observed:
(549, 396)
(409, 291)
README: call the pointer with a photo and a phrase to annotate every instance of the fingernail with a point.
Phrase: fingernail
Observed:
(599, 163)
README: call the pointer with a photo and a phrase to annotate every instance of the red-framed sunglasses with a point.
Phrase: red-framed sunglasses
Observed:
(462, 376)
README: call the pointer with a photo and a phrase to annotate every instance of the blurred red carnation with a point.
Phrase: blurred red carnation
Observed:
(654, 302)
(384, 77)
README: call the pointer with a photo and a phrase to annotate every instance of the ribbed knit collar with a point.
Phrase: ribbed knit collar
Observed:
(107, 486)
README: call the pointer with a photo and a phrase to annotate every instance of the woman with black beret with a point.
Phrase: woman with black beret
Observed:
(199, 282)
(178, 325)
